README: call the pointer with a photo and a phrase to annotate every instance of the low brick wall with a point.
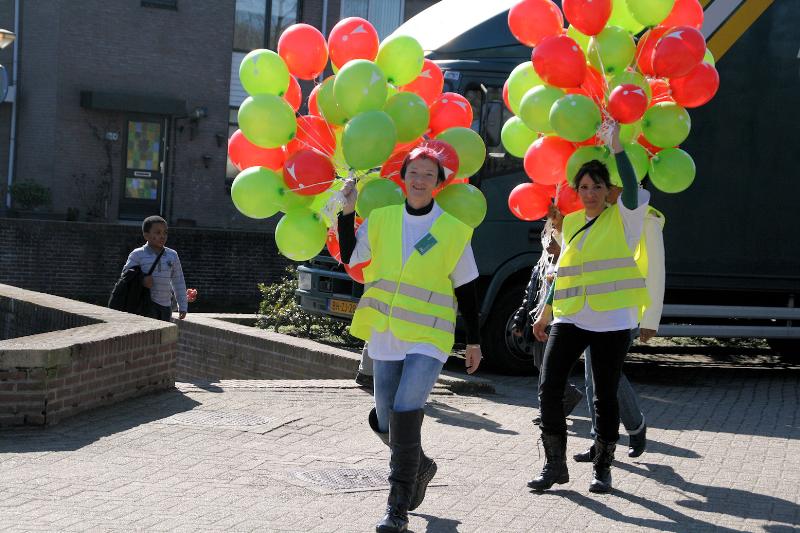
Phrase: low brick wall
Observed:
(64, 357)
(218, 346)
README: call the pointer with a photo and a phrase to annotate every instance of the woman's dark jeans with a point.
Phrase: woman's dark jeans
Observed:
(564, 347)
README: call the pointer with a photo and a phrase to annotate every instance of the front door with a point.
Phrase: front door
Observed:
(143, 168)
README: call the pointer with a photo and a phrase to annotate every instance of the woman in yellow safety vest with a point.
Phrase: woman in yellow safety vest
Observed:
(422, 270)
(594, 303)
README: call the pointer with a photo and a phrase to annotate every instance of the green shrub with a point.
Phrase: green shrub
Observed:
(279, 312)
(29, 194)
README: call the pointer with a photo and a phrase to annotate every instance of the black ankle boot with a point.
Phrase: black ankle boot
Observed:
(585, 457)
(601, 471)
(555, 466)
(405, 442)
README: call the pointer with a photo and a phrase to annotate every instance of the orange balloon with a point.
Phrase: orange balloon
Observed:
(531, 21)
(644, 49)
(313, 133)
(568, 200)
(357, 272)
(560, 61)
(588, 16)
(304, 50)
(428, 84)
(594, 85)
(528, 201)
(244, 154)
(352, 38)
(685, 13)
(294, 96)
(660, 91)
(449, 110)
(546, 160)
(313, 107)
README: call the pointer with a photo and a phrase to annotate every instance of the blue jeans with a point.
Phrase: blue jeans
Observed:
(403, 385)
(630, 414)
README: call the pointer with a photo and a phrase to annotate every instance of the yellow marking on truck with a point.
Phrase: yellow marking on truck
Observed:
(736, 25)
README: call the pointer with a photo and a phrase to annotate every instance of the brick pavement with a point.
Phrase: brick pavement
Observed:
(724, 455)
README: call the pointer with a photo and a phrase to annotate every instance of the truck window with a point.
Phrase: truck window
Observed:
(498, 162)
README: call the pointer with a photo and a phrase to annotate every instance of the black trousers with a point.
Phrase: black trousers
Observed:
(160, 312)
(564, 347)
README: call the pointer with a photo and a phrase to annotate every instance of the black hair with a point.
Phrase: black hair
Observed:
(440, 177)
(596, 170)
(149, 221)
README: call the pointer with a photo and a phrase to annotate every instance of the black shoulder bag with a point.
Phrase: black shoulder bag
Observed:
(129, 294)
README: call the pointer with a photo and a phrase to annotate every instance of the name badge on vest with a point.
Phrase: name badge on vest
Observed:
(425, 244)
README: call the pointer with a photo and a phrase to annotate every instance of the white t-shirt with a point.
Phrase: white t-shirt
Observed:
(384, 346)
(615, 319)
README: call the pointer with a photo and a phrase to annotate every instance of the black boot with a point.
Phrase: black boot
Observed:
(555, 466)
(638, 442)
(373, 424)
(585, 457)
(572, 397)
(602, 466)
(404, 440)
(427, 466)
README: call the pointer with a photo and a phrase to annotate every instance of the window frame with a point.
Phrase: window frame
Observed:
(267, 24)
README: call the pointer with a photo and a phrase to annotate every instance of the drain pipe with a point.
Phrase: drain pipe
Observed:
(325, 18)
(13, 130)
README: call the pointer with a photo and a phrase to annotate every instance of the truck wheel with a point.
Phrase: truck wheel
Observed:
(504, 351)
(787, 349)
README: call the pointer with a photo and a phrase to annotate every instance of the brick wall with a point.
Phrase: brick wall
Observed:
(83, 260)
(214, 349)
(46, 377)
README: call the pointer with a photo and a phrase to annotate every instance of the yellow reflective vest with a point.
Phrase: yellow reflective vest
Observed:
(414, 300)
(603, 272)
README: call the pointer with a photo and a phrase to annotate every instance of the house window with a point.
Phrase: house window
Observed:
(385, 15)
(252, 31)
(161, 4)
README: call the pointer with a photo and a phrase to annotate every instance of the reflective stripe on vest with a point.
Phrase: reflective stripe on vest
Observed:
(409, 316)
(600, 288)
(596, 266)
(413, 292)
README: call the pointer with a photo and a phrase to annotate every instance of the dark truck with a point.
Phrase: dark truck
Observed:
(732, 245)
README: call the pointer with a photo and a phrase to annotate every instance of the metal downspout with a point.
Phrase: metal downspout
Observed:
(13, 129)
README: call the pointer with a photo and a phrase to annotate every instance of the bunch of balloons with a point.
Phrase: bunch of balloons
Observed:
(384, 99)
(641, 63)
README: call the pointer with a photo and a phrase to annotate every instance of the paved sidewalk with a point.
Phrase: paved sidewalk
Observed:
(724, 455)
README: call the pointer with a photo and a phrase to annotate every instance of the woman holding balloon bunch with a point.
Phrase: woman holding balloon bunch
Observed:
(422, 269)
(594, 303)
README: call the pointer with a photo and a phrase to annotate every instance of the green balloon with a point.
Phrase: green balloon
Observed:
(535, 107)
(612, 50)
(255, 192)
(401, 58)
(575, 117)
(359, 86)
(264, 72)
(410, 114)
(320, 200)
(328, 106)
(368, 140)
(622, 17)
(378, 193)
(521, 80)
(666, 124)
(470, 148)
(580, 38)
(267, 120)
(463, 201)
(672, 170)
(650, 12)
(583, 155)
(290, 200)
(632, 77)
(709, 58)
(629, 133)
(639, 159)
(517, 137)
(300, 234)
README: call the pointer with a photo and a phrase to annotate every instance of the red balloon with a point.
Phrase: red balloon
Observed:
(448, 157)
(568, 200)
(313, 133)
(294, 96)
(245, 154)
(588, 16)
(659, 90)
(645, 46)
(531, 21)
(546, 160)
(680, 50)
(391, 168)
(332, 243)
(352, 38)
(304, 50)
(560, 61)
(313, 108)
(505, 96)
(685, 13)
(308, 172)
(627, 103)
(428, 85)
(357, 272)
(697, 87)
(653, 149)
(409, 145)
(591, 141)
(449, 110)
(594, 84)
(527, 201)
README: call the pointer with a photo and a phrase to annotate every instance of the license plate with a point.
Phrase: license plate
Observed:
(342, 306)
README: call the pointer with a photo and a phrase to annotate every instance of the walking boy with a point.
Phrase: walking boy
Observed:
(167, 277)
